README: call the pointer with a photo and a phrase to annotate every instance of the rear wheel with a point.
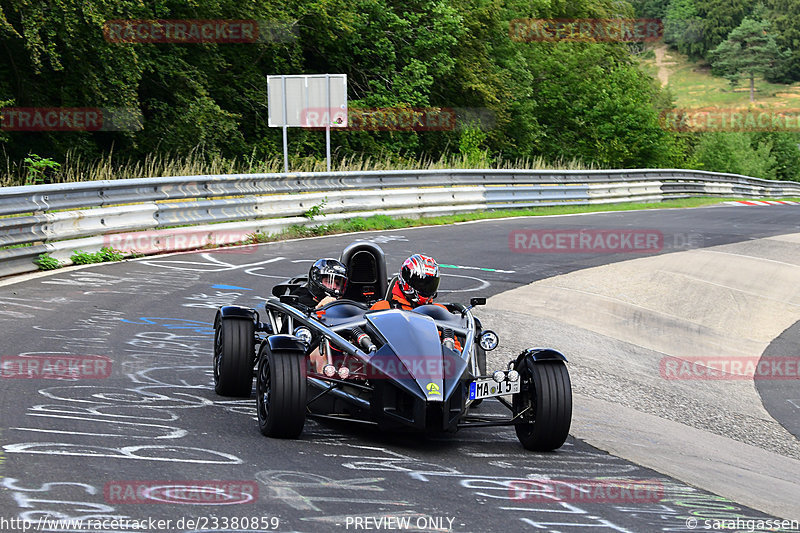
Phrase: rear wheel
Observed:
(234, 350)
(544, 404)
(281, 393)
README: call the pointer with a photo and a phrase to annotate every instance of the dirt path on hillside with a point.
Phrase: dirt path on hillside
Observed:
(663, 71)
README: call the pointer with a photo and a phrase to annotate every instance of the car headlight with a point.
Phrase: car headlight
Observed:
(304, 334)
(489, 340)
(499, 376)
(512, 375)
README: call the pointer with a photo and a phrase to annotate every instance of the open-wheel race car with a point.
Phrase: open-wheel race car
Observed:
(420, 370)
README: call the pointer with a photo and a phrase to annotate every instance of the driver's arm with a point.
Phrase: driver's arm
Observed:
(326, 301)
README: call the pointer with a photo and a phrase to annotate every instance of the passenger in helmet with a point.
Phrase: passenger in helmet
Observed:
(415, 285)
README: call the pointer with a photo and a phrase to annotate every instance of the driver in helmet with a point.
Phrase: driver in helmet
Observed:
(327, 281)
(415, 285)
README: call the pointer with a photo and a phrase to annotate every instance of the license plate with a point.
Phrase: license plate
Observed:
(486, 388)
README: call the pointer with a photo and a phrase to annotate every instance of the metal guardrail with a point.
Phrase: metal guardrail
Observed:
(61, 218)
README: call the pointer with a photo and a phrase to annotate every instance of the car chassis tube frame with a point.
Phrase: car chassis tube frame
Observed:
(333, 385)
(273, 305)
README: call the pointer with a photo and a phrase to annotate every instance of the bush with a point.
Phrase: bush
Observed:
(37, 169)
(470, 145)
(105, 255)
(736, 153)
(786, 151)
(47, 262)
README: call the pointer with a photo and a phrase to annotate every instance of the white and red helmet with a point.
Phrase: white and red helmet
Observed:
(419, 279)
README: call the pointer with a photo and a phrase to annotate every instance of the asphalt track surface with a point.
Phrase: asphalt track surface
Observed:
(81, 448)
(781, 398)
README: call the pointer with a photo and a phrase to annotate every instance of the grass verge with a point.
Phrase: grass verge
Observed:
(384, 222)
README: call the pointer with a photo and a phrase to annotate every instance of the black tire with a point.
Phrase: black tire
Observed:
(281, 393)
(234, 354)
(546, 389)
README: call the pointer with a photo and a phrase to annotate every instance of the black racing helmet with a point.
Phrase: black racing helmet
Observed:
(327, 277)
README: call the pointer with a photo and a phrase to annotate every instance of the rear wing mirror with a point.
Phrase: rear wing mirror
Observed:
(477, 301)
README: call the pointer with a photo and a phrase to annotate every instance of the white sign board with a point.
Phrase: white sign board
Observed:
(307, 100)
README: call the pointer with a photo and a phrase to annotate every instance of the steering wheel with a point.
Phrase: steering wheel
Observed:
(341, 301)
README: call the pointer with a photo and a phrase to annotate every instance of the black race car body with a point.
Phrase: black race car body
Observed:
(421, 370)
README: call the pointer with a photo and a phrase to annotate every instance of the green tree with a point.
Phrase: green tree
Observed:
(684, 28)
(656, 9)
(720, 17)
(748, 51)
(784, 17)
(694, 27)
(558, 100)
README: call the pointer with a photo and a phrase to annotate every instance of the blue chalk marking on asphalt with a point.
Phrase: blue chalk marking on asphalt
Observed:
(195, 326)
(230, 287)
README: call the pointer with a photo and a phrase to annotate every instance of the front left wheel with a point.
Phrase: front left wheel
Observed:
(234, 351)
(281, 393)
(544, 404)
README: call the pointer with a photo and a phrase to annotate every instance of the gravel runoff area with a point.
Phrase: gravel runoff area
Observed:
(599, 368)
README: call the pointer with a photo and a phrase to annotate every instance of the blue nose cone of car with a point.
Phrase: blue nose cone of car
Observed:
(414, 356)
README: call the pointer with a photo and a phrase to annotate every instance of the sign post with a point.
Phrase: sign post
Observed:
(307, 101)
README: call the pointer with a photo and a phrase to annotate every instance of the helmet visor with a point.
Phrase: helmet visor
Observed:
(426, 285)
(334, 282)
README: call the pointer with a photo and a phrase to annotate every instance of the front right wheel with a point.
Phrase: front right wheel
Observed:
(281, 393)
(543, 405)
